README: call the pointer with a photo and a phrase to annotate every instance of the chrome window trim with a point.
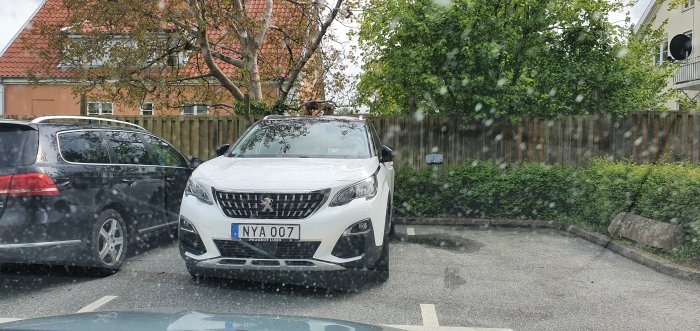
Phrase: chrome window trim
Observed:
(41, 244)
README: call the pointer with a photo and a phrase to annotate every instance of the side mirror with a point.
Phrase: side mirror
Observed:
(196, 162)
(431, 159)
(387, 154)
(221, 150)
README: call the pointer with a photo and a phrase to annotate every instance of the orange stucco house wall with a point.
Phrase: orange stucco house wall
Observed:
(37, 100)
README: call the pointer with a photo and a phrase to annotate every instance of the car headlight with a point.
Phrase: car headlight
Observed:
(366, 188)
(198, 191)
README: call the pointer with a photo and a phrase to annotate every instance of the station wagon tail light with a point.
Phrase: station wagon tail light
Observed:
(27, 185)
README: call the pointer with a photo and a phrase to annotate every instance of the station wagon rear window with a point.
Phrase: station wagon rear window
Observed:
(18, 145)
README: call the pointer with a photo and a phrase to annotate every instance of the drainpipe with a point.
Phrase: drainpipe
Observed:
(2, 98)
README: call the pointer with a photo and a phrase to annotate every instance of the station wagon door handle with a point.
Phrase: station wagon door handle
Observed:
(169, 178)
(128, 180)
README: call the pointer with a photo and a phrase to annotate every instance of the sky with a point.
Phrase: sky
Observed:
(13, 14)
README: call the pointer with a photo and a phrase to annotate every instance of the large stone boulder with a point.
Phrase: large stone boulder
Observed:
(646, 231)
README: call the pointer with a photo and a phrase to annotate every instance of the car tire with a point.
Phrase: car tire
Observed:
(109, 242)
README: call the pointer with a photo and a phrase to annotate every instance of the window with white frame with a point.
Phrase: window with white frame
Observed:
(661, 52)
(198, 109)
(147, 108)
(100, 108)
(688, 4)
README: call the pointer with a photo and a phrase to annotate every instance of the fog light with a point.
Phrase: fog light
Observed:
(186, 225)
(360, 227)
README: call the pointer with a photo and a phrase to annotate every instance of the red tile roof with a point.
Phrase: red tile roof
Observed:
(19, 59)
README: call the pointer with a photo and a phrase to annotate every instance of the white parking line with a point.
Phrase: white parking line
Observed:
(430, 322)
(97, 304)
(441, 328)
(5, 320)
(411, 231)
(429, 315)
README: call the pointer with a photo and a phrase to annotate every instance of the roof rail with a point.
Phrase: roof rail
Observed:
(84, 118)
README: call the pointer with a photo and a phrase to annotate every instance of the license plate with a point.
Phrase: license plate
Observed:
(265, 232)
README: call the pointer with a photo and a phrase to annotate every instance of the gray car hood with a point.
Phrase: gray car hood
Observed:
(183, 321)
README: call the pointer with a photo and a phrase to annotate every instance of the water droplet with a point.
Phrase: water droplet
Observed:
(488, 122)
(478, 106)
(465, 81)
(419, 116)
(622, 52)
(579, 98)
(499, 137)
(466, 33)
(443, 3)
(552, 92)
(638, 141)
(443, 90)
(530, 91)
(628, 134)
(501, 82)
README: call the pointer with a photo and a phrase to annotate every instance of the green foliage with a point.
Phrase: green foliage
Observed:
(591, 197)
(507, 58)
(260, 108)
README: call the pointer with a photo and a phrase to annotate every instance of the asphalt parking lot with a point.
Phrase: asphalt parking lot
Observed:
(499, 278)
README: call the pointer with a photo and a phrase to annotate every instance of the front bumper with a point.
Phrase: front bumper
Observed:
(326, 227)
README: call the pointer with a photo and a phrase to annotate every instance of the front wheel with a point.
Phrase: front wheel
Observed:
(109, 242)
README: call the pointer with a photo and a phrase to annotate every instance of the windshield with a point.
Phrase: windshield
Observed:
(305, 139)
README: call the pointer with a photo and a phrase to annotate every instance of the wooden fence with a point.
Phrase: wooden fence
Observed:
(642, 136)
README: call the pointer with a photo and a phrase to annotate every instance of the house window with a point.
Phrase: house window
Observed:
(147, 108)
(100, 108)
(661, 52)
(195, 110)
(688, 4)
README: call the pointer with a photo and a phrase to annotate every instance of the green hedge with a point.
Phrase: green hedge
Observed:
(590, 197)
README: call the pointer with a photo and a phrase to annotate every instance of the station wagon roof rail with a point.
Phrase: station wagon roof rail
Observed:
(84, 118)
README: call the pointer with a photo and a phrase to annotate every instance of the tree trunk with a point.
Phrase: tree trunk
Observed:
(411, 104)
(255, 84)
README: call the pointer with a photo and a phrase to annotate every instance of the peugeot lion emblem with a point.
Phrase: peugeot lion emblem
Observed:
(266, 205)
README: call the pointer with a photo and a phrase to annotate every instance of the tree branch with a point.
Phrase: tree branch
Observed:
(319, 37)
(179, 80)
(233, 61)
(209, 60)
(267, 17)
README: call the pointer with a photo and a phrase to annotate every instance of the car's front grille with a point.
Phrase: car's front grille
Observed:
(267, 249)
(269, 205)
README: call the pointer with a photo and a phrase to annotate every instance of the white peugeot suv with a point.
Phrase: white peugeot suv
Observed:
(292, 195)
